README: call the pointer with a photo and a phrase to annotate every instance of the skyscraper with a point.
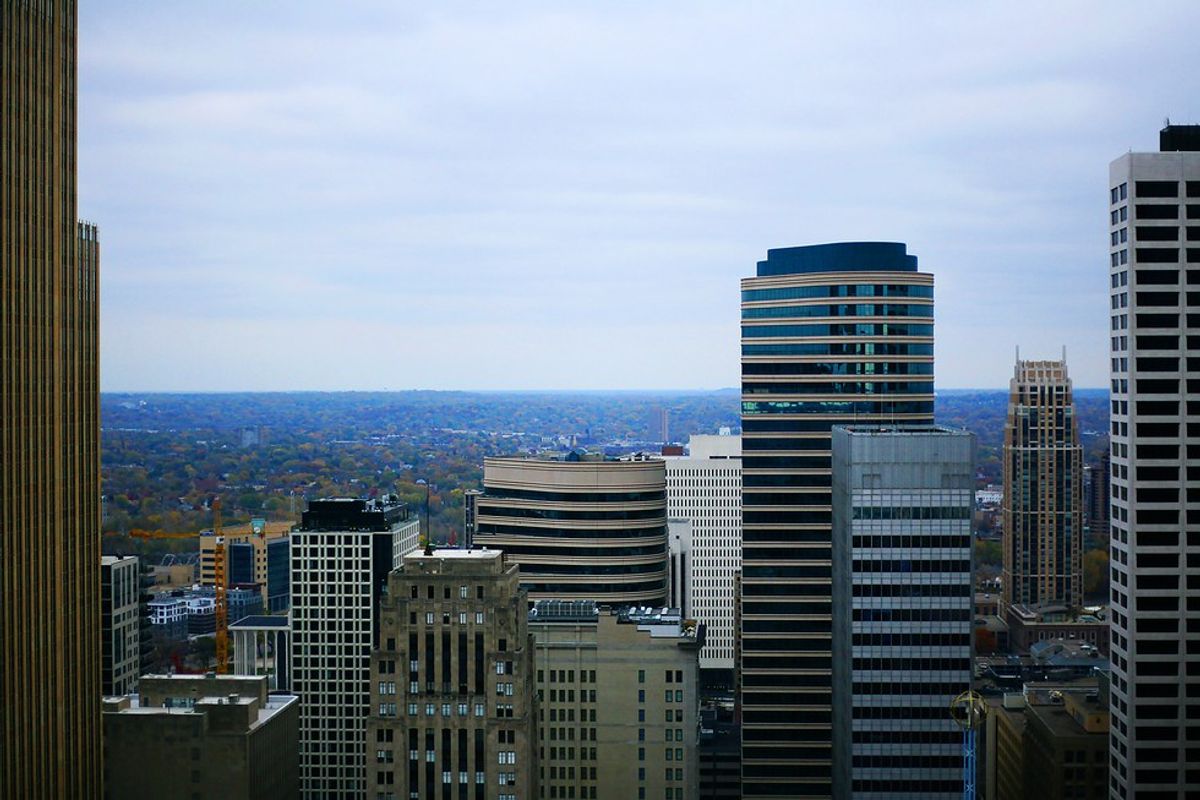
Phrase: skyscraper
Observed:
(453, 711)
(342, 552)
(1043, 489)
(705, 488)
(49, 422)
(581, 528)
(903, 595)
(1154, 258)
(831, 334)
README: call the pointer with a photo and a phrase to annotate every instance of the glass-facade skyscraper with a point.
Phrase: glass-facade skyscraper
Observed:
(832, 334)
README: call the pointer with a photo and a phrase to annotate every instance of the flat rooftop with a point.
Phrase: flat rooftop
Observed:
(275, 703)
(838, 257)
(477, 553)
(261, 621)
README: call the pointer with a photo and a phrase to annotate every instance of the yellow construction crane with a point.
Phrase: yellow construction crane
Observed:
(221, 608)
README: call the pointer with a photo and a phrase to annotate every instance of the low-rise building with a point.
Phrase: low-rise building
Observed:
(1029, 625)
(201, 737)
(169, 614)
(262, 645)
(619, 701)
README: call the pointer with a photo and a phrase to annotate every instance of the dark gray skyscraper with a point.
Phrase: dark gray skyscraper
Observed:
(903, 608)
(831, 334)
(1154, 278)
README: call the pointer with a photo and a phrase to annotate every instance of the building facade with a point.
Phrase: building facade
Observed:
(262, 645)
(581, 528)
(453, 711)
(120, 624)
(903, 597)
(202, 737)
(1097, 487)
(705, 488)
(831, 334)
(1154, 261)
(342, 552)
(256, 554)
(1043, 489)
(619, 695)
(49, 421)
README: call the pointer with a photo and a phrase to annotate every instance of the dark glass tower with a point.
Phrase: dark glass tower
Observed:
(832, 334)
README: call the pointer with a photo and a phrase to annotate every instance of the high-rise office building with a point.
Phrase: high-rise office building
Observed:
(831, 334)
(585, 528)
(453, 712)
(619, 699)
(1097, 488)
(903, 595)
(49, 421)
(342, 552)
(1043, 489)
(705, 488)
(120, 624)
(1154, 261)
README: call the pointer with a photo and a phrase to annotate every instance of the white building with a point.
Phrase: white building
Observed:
(705, 489)
(903, 611)
(1154, 260)
(168, 610)
(342, 552)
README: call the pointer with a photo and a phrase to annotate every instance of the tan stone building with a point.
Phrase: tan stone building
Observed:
(581, 528)
(1043, 489)
(619, 702)
(258, 553)
(49, 420)
(202, 737)
(1048, 742)
(452, 696)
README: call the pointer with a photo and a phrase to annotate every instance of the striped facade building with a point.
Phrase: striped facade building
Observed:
(832, 334)
(50, 649)
(581, 529)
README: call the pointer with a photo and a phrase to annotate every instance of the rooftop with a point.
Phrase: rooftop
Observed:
(261, 621)
(1174, 138)
(442, 553)
(838, 257)
(902, 430)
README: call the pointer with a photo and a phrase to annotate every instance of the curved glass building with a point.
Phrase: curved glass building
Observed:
(832, 334)
(580, 529)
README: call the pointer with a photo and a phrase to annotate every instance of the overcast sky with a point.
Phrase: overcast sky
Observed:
(565, 195)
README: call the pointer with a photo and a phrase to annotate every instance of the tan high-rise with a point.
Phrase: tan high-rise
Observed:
(49, 421)
(1043, 489)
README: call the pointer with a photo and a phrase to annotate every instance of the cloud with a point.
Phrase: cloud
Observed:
(527, 181)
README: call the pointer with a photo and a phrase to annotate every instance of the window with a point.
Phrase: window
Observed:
(462, 592)
(478, 617)
(641, 676)
(506, 757)
(428, 617)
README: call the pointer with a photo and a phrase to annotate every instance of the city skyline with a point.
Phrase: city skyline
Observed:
(401, 187)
